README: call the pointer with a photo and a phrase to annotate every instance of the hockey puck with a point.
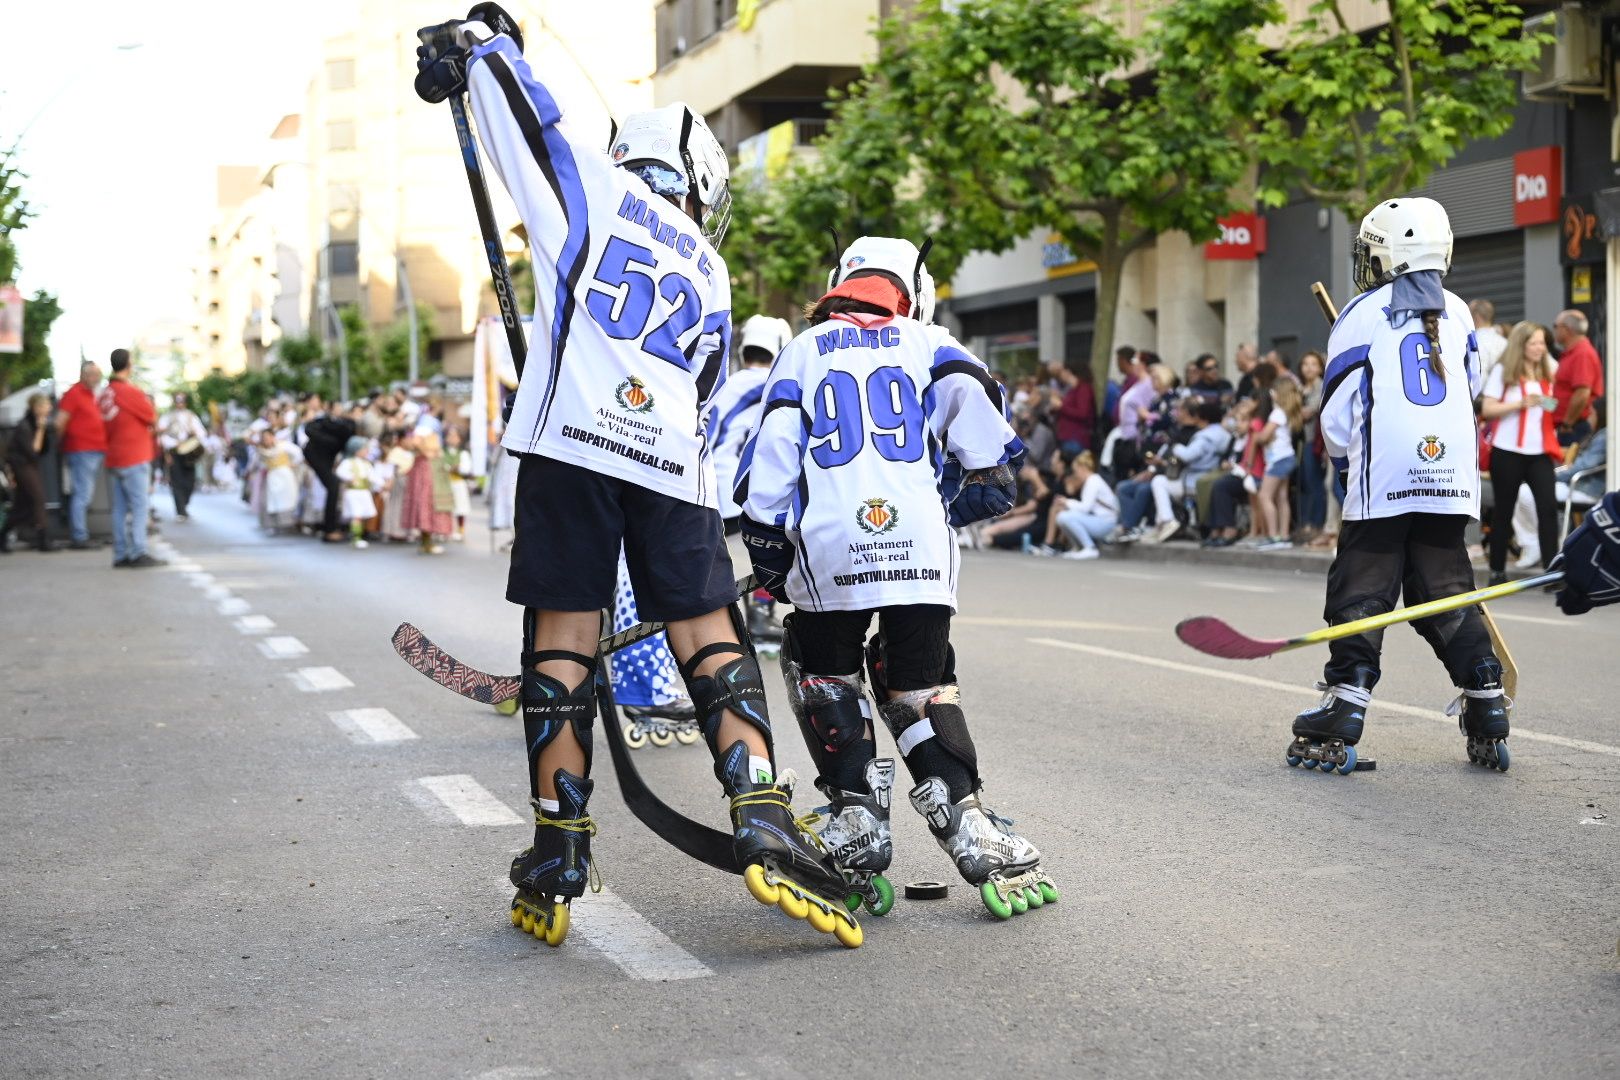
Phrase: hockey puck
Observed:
(1366, 764)
(926, 890)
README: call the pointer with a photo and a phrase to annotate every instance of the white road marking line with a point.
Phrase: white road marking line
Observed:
(1132, 575)
(319, 679)
(469, 800)
(1272, 684)
(202, 581)
(1597, 821)
(280, 648)
(1536, 620)
(217, 592)
(233, 605)
(187, 566)
(372, 725)
(1043, 624)
(1235, 587)
(255, 624)
(638, 947)
(514, 1072)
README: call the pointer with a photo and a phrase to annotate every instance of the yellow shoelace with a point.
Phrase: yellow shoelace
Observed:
(777, 796)
(574, 825)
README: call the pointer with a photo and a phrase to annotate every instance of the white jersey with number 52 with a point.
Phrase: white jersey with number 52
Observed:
(1405, 435)
(856, 425)
(632, 316)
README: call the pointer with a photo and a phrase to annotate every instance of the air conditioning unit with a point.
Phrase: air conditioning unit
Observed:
(1573, 62)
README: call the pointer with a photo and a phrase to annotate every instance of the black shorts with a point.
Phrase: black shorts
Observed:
(916, 643)
(570, 522)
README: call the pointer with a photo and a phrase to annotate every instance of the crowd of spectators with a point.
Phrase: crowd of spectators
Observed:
(1187, 456)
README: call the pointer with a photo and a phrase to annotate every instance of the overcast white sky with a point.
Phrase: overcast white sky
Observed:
(121, 159)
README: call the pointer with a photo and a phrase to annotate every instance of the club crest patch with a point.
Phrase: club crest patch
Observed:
(621, 151)
(1431, 449)
(632, 396)
(877, 516)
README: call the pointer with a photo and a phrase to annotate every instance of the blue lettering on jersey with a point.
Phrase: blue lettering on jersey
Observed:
(850, 337)
(683, 244)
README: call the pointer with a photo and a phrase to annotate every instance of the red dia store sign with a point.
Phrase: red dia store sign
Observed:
(1538, 185)
(1243, 236)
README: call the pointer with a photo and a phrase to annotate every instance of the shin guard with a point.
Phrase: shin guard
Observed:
(548, 706)
(931, 732)
(738, 687)
(834, 713)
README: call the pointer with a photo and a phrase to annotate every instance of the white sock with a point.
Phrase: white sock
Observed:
(759, 769)
(551, 806)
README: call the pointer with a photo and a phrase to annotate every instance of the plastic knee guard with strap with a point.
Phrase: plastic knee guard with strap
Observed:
(877, 663)
(833, 714)
(548, 705)
(738, 687)
(931, 732)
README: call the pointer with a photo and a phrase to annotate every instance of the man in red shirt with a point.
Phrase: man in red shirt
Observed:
(1580, 378)
(84, 445)
(129, 416)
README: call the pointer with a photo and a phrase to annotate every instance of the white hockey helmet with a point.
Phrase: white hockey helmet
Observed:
(895, 256)
(678, 139)
(764, 332)
(1398, 236)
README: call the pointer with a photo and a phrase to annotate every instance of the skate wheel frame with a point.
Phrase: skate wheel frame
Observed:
(775, 889)
(1491, 753)
(1331, 755)
(544, 918)
(1005, 897)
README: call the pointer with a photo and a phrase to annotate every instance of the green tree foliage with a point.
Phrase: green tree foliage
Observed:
(1352, 118)
(14, 214)
(985, 121)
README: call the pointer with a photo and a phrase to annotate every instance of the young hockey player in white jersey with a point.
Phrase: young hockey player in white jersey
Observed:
(632, 333)
(843, 515)
(1398, 420)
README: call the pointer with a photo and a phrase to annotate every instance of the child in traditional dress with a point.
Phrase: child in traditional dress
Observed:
(398, 461)
(428, 501)
(279, 461)
(357, 474)
(458, 463)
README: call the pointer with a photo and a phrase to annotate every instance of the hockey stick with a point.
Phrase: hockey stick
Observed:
(1214, 636)
(1510, 670)
(419, 651)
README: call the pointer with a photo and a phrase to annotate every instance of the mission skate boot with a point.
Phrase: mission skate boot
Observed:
(987, 853)
(857, 837)
(1482, 715)
(670, 722)
(1325, 737)
(785, 864)
(554, 872)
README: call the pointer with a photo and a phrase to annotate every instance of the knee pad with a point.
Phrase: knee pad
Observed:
(1361, 609)
(548, 706)
(876, 664)
(931, 732)
(738, 687)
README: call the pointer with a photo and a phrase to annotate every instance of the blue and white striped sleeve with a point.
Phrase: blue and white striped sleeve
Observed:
(966, 408)
(1346, 370)
(772, 462)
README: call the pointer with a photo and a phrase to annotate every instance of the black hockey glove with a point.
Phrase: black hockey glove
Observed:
(441, 62)
(985, 493)
(1591, 560)
(771, 556)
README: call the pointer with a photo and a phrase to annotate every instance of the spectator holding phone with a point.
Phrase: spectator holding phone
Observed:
(1518, 400)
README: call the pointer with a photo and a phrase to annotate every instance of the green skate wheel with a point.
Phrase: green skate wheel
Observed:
(1000, 908)
(1016, 898)
(1049, 892)
(853, 901)
(1033, 897)
(885, 896)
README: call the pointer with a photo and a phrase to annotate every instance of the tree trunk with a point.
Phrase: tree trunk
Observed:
(1110, 268)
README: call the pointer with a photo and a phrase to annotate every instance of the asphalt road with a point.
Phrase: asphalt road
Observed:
(212, 867)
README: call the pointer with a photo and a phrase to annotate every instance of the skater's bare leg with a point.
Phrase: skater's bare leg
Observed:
(570, 631)
(685, 639)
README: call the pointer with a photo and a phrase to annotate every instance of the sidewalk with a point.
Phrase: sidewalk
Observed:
(1296, 560)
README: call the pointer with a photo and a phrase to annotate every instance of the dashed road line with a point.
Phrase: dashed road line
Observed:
(282, 647)
(372, 726)
(217, 592)
(201, 580)
(255, 624)
(319, 679)
(1235, 587)
(233, 605)
(1561, 623)
(1291, 688)
(1133, 575)
(1043, 624)
(640, 949)
(468, 800)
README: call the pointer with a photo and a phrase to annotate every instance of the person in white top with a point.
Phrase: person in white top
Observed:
(182, 436)
(1518, 402)
(1487, 337)
(881, 432)
(735, 410)
(632, 322)
(1089, 516)
(1398, 421)
(1282, 425)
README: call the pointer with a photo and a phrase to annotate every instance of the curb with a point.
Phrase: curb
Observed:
(1294, 560)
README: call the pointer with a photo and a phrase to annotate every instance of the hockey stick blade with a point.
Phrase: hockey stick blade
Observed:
(1215, 637)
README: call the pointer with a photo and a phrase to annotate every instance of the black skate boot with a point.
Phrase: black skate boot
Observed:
(554, 872)
(1325, 737)
(1482, 715)
(987, 853)
(673, 721)
(762, 628)
(857, 837)
(785, 864)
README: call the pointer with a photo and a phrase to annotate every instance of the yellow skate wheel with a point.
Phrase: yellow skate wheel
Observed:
(559, 925)
(849, 934)
(764, 891)
(687, 736)
(660, 738)
(822, 919)
(517, 915)
(509, 707)
(527, 922)
(792, 904)
(633, 738)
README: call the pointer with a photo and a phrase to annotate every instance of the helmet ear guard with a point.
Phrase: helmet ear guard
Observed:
(1399, 236)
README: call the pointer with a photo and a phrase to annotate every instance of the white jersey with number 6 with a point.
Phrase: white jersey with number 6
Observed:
(1405, 435)
(632, 316)
(847, 460)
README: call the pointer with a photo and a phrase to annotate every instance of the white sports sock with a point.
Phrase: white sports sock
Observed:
(551, 806)
(759, 769)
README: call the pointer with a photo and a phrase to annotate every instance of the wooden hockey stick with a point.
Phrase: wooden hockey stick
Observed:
(1216, 637)
(1510, 670)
